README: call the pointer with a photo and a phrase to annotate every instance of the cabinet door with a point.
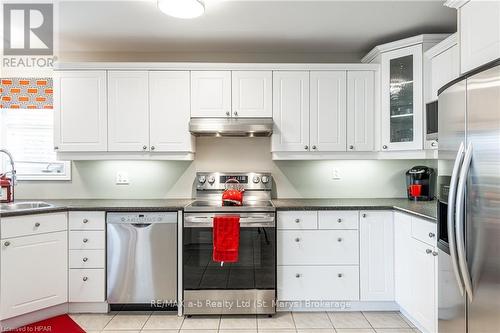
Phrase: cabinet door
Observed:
(210, 94)
(402, 260)
(328, 111)
(422, 285)
(169, 104)
(34, 273)
(290, 111)
(252, 93)
(376, 261)
(80, 117)
(479, 31)
(128, 115)
(360, 110)
(402, 99)
(444, 68)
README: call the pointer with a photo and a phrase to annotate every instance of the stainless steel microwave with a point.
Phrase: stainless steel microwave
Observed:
(431, 121)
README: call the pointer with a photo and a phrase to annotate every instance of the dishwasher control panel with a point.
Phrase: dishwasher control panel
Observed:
(142, 217)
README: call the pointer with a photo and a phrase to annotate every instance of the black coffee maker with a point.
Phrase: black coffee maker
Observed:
(420, 183)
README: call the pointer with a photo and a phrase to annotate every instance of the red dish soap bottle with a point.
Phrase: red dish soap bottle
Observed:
(6, 190)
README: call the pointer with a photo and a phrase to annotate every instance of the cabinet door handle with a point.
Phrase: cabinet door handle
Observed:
(228, 113)
(85, 240)
(235, 113)
(85, 221)
(152, 147)
(297, 239)
(340, 275)
(433, 144)
(297, 275)
(434, 253)
(6, 243)
(428, 251)
(37, 225)
(339, 239)
(364, 215)
(351, 147)
(85, 278)
(85, 259)
(314, 147)
(56, 148)
(431, 234)
(297, 220)
(144, 147)
(339, 220)
(306, 147)
(384, 147)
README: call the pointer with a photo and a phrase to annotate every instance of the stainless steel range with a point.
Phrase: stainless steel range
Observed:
(249, 285)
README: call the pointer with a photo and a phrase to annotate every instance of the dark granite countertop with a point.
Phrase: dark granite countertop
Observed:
(426, 209)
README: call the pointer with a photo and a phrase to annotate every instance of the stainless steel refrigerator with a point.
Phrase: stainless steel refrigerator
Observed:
(469, 203)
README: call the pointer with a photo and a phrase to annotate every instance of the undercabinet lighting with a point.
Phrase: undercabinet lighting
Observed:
(185, 9)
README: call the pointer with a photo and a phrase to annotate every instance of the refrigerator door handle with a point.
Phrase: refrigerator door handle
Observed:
(459, 226)
(451, 216)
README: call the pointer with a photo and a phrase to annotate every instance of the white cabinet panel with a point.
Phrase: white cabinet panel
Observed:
(297, 220)
(252, 93)
(425, 231)
(87, 285)
(360, 110)
(87, 220)
(318, 247)
(169, 98)
(34, 273)
(479, 31)
(87, 259)
(128, 114)
(402, 261)
(27, 225)
(328, 111)
(87, 240)
(376, 234)
(80, 117)
(444, 68)
(299, 283)
(290, 111)
(338, 219)
(210, 93)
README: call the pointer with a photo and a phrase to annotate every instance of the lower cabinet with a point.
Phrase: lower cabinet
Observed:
(86, 285)
(34, 273)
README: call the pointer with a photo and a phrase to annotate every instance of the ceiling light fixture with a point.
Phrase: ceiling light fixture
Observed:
(182, 8)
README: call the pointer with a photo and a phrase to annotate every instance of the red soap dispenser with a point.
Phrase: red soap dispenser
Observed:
(6, 190)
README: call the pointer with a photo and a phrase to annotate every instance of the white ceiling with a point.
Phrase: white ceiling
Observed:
(247, 26)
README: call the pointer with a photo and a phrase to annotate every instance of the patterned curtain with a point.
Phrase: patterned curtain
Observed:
(26, 93)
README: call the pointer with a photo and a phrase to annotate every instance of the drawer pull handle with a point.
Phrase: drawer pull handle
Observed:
(297, 220)
(85, 278)
(85, 259)
(434, 253)
(297, 239)
(339, 239)
(85, 240)
(6, 243)
(428, 251)
(37, 225)
(364, 215)
(85, 221)
(297, 275)
(340, 275)
(339, 220)
(431, 234)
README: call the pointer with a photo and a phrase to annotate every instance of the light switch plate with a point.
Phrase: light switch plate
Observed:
(122, 178)
(336, 174)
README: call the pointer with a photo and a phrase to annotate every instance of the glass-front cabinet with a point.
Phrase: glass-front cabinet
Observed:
(402, 113)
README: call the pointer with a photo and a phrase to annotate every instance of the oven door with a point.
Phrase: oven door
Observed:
(247, 286)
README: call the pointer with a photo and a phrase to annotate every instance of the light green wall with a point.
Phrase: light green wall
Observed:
(174, 179)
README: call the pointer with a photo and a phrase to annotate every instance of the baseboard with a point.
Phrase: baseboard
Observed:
(413, 321)
(312, 306)
(96, 307)
(32, 317)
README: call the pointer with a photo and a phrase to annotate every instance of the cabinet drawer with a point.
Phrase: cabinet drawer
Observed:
(328, 283)
(87, 220)
(86, 258)
(298, 220)
(33, 224)
(338, 219)
(424, 230)
(86, 285)
(86, 240)
(318, 247)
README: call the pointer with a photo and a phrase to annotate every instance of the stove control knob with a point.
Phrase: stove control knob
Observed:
(211, 180)
(256, 179)
(202, 179)
(265, 179)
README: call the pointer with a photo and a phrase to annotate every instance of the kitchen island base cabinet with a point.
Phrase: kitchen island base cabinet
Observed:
(34, 273)
(318, 283)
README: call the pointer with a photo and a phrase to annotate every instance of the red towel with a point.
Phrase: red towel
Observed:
(226, 236)
(59, 324)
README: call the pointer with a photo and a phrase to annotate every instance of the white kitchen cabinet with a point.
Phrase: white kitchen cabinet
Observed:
(360, 110)
(376, 240)
(444, 68)
(402, 110)
(33, 273)
(169, 111)
(328, 110)
(87, 285)
(290, 111)
(128, 114)
(479, 33)
(402, 262)
(80, 115)
(210, 93)
(252, 94)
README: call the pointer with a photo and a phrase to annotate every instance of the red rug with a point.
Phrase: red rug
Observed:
(59, 324)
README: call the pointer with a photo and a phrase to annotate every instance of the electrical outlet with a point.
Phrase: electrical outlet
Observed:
(122, 178)
(336, 174)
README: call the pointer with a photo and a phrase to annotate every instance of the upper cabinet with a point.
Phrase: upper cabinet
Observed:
(479, 33)
(211, 94)
(128, 114)
(80, 117)
(360, 110)
(441, 63)
(252, 94)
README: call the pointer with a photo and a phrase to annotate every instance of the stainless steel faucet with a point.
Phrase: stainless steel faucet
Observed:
(12, 171)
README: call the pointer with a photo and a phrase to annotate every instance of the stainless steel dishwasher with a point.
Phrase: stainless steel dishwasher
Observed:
(142, 258)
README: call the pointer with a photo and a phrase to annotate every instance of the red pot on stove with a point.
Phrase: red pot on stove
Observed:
(233, 194)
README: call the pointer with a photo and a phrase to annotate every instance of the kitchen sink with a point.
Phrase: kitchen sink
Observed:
(25, 205)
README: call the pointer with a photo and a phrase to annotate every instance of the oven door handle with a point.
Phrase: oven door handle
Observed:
(245, 222)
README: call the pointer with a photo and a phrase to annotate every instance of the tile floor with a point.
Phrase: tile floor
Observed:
(282, 322)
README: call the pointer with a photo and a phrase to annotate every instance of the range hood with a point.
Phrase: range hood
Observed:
(235, 127)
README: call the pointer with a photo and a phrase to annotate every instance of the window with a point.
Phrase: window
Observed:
(28, 135)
